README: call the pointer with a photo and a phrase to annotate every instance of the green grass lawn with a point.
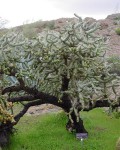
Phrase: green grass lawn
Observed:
(47, 132)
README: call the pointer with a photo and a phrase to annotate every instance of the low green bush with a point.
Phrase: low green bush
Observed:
(117, 31)
(114, 60)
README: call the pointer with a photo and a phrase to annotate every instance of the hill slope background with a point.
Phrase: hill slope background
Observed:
(107, 29)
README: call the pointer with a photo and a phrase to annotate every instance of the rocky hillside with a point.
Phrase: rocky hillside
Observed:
(108, 27)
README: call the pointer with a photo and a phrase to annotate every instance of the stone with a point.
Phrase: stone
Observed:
(103, 25)
(118, 144)
(113, 16)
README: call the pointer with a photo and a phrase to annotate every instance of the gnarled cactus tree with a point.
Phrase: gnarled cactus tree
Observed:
(66, 68)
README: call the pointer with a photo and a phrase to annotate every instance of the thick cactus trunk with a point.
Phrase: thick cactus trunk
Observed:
(5, 131)
(3, 138)
(76, 126)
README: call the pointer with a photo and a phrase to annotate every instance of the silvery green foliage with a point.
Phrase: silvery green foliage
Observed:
(76, 52)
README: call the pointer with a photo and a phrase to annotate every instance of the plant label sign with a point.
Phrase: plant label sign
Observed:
(81, 135)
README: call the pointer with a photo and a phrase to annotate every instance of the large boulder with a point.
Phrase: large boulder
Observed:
(114, 16)
(118, 144)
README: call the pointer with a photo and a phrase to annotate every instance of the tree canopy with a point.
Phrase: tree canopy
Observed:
(67, 68)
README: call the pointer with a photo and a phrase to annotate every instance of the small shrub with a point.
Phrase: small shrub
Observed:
(117, 115)
(116, 20)
(117, 31)
(115, 64)
(50, 25)
(29, 32)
